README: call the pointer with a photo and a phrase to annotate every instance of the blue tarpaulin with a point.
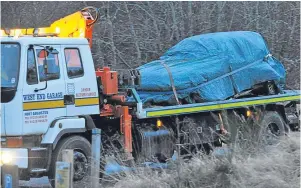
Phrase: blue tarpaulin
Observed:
(212, 67)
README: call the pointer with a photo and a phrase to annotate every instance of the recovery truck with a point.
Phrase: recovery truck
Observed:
(52, 97)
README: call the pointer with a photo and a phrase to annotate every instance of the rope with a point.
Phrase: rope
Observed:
(171, 82)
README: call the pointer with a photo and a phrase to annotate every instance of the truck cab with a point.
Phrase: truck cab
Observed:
(44, 80)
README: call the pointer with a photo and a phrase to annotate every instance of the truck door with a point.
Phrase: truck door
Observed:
(43, 100)
(80, 80)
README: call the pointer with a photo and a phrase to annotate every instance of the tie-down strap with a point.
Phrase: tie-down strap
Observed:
(171, 81)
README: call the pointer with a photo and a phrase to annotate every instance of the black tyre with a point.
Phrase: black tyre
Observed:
(272, 126)
(82, 157)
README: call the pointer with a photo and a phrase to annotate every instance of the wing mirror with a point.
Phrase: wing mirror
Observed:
(44, 54)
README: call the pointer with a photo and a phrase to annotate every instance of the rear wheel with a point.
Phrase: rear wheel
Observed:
(81, 157)
(272, 127)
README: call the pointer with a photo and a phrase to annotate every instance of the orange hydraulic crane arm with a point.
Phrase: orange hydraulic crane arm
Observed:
(77, 25)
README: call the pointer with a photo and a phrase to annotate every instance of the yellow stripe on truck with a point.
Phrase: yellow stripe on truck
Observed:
(43, 105)
(219, 106)
(37, 105)
(86, 101)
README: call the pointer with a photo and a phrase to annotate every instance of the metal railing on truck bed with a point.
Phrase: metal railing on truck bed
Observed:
(288, 95)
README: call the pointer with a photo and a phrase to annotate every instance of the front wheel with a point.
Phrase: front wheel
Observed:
(81, 157)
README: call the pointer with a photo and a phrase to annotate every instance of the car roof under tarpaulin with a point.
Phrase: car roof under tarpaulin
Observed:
(211, 67)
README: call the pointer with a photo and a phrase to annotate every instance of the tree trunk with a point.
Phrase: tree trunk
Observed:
(133, 32)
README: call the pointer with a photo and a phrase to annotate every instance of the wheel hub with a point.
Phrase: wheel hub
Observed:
(272, 133)
(80, 165)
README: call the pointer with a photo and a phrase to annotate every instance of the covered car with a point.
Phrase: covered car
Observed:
(209, 67)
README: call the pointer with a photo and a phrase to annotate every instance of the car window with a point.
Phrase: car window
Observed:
(32, 76)
(73, 63)
(10, 62)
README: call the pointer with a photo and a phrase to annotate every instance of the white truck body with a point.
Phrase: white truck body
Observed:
(42, 112)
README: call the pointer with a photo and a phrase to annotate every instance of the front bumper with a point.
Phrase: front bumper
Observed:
(14, 156)
(32, 162)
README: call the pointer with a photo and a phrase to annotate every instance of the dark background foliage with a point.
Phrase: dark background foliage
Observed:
(129, 34)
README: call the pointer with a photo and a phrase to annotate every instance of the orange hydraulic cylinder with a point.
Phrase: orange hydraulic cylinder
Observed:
(126, 128)
(120, 98)
(89, 32)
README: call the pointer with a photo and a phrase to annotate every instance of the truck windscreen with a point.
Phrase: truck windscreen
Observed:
(10, 61)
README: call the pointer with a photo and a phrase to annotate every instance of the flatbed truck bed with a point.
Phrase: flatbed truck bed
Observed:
(288, 95)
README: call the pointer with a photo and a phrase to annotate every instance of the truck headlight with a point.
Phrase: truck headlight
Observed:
(6, 157)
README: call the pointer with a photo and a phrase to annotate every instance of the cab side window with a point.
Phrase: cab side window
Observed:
(53, 68)
(31, 76)
(73, 63)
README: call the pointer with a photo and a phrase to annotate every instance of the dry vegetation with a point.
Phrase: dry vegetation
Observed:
(254, 162)
(279, 167)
